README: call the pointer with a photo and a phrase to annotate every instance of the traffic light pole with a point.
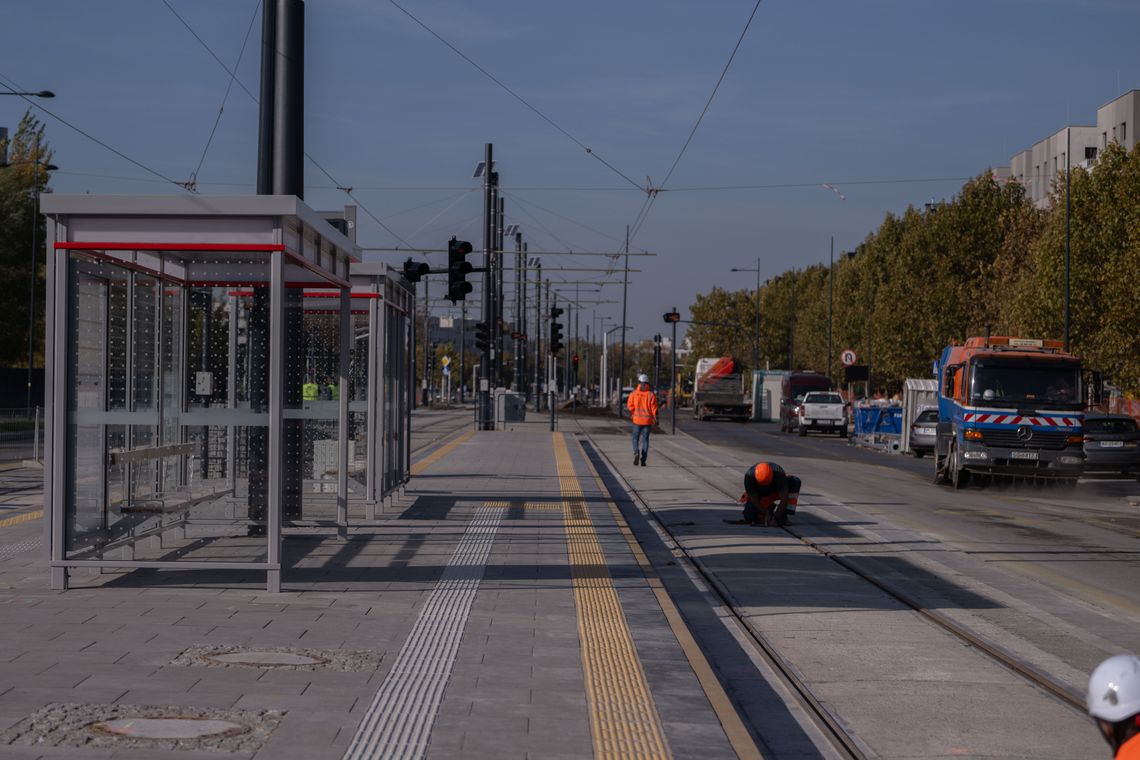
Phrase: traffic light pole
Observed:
(482, 393)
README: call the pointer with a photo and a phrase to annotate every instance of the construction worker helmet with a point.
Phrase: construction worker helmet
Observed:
(1114, 688)
(643, 378)
(763, 473)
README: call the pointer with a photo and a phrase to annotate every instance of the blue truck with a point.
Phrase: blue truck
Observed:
(1010, 408)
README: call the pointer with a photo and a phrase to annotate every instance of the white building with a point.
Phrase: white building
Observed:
(1037, 167)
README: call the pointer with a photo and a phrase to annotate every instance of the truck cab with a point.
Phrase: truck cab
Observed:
(1008, 407)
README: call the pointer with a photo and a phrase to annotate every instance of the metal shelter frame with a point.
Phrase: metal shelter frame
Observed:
(175, 443)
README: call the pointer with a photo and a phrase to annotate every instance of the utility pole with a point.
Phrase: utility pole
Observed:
(482, 393)
(462, 349)
(1068, 174)
(520, 276)
(830, 301)
(500, 298)
(624, 301)
(538, 337)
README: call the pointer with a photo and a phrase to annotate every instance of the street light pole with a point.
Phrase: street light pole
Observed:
(830, 301)
(756, 336)
(1068, 174)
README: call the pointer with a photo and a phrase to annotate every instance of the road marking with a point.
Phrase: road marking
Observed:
(17, 519)
(399, 720)
(623, 718)
(734, 728)
(438, 454)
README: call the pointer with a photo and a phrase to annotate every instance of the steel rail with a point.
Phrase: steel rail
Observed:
(831, 726)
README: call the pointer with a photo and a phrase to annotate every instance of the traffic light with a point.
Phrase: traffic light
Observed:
(482, 337)
(413, 271)
(575, 360)
(555, 337)
(555, 330)
(458, 267)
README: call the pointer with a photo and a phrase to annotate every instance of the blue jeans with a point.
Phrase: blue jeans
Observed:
(641, 432)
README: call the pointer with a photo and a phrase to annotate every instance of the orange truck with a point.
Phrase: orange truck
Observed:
(1008, 407)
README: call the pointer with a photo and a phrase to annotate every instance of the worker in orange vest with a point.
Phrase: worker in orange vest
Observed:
(770, 495)
(1114, 703)
(642, 406)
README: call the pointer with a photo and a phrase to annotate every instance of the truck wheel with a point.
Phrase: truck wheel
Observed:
(959, 476)
(843, 433)
(803, 430)
(939, 469)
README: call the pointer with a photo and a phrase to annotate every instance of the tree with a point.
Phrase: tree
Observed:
(21, 182)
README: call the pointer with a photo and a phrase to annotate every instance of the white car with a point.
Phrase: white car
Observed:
(823, 411)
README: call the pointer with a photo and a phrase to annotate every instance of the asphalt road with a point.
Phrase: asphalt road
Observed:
(1071, 556)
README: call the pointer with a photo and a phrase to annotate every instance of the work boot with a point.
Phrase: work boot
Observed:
(643, 460)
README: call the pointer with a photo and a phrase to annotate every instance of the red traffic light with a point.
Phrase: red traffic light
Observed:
(575, 358)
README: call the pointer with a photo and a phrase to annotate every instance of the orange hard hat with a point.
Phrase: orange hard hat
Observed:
(763, 473)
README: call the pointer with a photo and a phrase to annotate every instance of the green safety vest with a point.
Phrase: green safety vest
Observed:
(309, 391)
(334, 390)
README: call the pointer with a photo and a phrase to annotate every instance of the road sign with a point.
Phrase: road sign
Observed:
(446, 370)
(445, 360)
(848, 357)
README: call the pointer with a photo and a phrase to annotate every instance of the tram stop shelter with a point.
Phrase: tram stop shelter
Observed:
(202, 357)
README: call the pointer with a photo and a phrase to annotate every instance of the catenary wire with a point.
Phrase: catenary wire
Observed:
(647, 207)
(338, 185)
(16, 88)
(516, 96)
(226, 97)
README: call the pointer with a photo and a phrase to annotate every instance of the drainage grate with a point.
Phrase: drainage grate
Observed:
(94, 726)
(278, 658)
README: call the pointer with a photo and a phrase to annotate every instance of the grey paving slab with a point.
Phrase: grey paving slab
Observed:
(516, 689)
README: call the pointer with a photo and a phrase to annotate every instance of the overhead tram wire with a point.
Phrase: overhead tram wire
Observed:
(193, 181)
(653, 192)
(337, 185)
(11, 85)
(590, 151)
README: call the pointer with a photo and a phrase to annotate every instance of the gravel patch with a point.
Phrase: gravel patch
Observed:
(278, 658)
(87, 726)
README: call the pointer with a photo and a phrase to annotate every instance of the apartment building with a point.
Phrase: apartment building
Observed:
(1037, 167)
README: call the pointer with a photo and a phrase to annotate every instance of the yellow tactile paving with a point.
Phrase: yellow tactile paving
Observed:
(438, 454)
(623, 719)
(734, 728)
(26, 517)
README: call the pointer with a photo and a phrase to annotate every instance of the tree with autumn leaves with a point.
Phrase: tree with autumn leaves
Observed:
(985, 260)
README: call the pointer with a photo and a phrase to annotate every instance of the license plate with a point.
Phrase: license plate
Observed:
(1023, 455)
(827, 422)
(1112, 444)
(925, 431)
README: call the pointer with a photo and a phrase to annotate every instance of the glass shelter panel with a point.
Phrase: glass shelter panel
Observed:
(167, 407)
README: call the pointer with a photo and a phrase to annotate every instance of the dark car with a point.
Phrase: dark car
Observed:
(922, 432)
(1112, 443)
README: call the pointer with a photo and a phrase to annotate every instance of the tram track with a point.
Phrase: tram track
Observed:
(844, 741)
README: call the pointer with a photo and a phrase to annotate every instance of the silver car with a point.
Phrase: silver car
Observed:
(922, 432)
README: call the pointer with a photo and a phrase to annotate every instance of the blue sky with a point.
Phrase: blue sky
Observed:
(825, 91)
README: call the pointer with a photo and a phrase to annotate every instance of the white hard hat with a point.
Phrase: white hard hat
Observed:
(1114, 688)
(643, 378)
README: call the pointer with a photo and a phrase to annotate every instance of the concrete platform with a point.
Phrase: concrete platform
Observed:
(515, 601)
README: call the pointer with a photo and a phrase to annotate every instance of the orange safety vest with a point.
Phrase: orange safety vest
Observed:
(1130, 750)
(642, 407)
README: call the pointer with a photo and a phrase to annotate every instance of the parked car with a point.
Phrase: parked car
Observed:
(923, 432)
(1112, 443)
(822, 411)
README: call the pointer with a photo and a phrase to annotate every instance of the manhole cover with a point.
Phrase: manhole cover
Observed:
(266, 659)
(169, 728)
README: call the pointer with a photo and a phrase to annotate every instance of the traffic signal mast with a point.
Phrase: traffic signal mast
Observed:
(555, 330)
(458, 267)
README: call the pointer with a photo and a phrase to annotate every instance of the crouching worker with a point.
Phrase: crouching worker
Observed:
(770, 495)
